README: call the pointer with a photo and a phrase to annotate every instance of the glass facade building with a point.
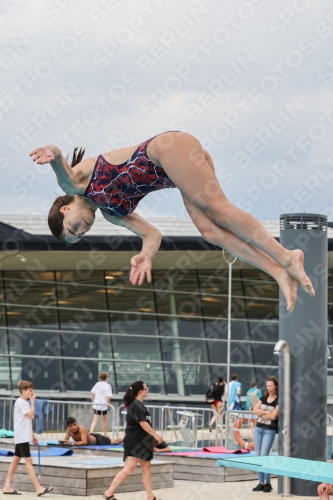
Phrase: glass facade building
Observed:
(61, 329)
(67, 314)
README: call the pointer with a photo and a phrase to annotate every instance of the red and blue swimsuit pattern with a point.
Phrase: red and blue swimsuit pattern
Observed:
(117, 189)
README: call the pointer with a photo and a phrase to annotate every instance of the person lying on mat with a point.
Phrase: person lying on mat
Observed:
(82, 437)
(161, 447)
(325, 490)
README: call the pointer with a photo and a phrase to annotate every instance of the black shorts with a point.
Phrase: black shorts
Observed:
(22, 450)
(141, 449)
(101, 440)
(100, 412)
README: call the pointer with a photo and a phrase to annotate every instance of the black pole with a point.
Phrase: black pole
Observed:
(305, 330)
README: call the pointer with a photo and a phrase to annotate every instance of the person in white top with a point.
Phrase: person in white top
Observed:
(24, 414)
(101, 397)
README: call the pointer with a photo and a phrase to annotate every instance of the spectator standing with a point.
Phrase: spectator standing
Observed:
(101, 397)
(233, 392)
(24, 414)
(266, 427)
(218, 392)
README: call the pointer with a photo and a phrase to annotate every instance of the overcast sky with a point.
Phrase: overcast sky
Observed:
(253, 80)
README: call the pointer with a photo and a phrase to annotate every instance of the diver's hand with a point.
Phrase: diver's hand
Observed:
(42, 155)
(140, 268)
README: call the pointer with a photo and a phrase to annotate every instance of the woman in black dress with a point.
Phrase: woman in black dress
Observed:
(138, 442)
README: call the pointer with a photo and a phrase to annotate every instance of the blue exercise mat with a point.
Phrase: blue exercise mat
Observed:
(6, 453)
(283, 466)
(96, 447)
(88, 447)
(54, 452)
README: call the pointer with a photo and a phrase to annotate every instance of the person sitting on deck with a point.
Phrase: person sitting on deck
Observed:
(81, 436)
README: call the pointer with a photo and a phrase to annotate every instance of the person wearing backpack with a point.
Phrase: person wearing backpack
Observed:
(217, 392)
(253, 395)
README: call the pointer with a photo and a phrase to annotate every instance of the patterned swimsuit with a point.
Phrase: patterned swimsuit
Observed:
(117, 189)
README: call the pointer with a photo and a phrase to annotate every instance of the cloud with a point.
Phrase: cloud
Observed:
(252, 80)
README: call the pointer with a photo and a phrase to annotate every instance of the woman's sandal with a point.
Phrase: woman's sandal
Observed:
(111, 497)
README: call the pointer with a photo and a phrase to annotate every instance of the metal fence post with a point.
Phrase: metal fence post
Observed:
(282, 346)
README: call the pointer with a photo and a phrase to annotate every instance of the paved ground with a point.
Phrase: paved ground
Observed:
(187, 490)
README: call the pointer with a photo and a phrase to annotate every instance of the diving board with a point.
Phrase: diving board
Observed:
(298, 468)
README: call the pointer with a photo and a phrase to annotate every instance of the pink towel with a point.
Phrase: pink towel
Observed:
(221, 449)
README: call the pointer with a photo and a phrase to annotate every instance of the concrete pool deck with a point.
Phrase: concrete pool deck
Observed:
(184, 490)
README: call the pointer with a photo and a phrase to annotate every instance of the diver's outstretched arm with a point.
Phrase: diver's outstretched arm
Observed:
(141, 264)
(51, 154)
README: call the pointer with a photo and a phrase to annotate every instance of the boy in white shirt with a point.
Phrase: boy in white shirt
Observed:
(101, 397)
(23, 417)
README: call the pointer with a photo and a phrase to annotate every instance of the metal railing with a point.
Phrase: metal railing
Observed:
(229, 420)
(196, 420)
(179, 425)
(165, 420)
(238, 427)
(155, 413)
(7, 413)
(52, 424)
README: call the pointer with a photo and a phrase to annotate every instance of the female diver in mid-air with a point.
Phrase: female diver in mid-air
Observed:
(116, 181)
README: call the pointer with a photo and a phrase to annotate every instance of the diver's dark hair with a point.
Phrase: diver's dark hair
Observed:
(56, 218)
(77, 157)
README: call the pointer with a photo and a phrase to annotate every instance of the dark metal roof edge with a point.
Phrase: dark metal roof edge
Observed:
(104, 243)
(18, 240)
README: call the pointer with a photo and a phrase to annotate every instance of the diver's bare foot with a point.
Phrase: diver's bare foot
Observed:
(288, 287)
(296, 271)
